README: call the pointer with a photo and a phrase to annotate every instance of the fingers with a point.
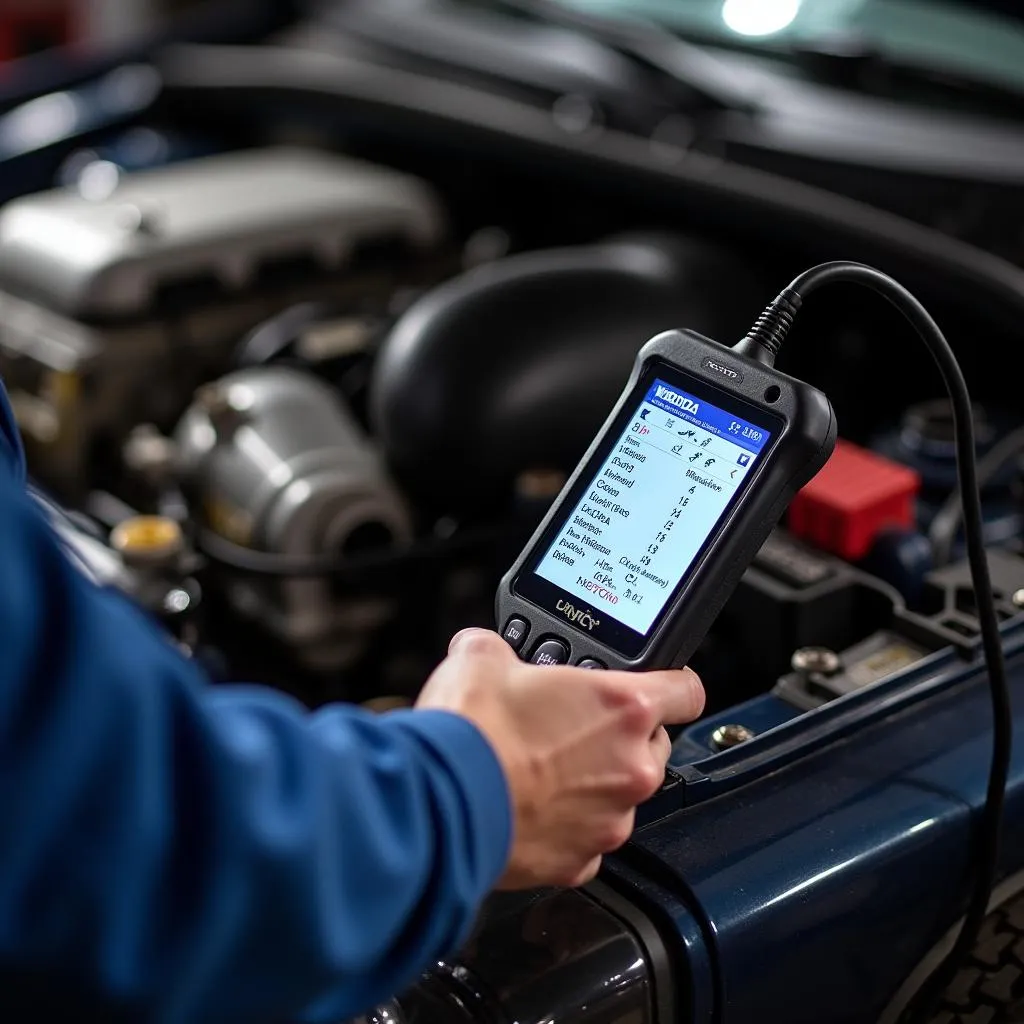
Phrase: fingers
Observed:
(569, 874)
(675, 696)
(587, 874)
(480, 642)
(646, 700)
(661, 747)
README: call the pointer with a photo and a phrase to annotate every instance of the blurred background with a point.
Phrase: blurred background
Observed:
(425, 239)
(33, 26)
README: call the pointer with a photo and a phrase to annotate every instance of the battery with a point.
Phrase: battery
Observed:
(855, 496)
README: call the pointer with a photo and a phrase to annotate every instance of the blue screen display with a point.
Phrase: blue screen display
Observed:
(651, 506)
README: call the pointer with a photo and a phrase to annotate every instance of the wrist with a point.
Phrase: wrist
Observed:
(476, 768)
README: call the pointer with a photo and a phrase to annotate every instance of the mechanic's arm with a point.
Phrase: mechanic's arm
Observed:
(195, 854)
(217, 854)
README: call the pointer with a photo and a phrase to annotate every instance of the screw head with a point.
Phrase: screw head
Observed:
(177, 601)
(820, 660)
(726, 736)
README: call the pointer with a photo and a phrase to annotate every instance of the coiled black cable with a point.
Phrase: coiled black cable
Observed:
(768, 334)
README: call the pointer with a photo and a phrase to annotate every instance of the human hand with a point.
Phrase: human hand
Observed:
(580, 748)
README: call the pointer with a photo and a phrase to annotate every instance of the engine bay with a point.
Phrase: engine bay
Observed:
(308, 423)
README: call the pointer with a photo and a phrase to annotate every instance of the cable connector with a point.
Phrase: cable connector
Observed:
(765, 338)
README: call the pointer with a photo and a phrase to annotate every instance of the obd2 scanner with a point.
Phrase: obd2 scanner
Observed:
(649, 537)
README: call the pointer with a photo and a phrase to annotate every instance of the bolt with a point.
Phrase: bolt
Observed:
(177, 601)
(726, 736)
(1018, 599)
(816, 661)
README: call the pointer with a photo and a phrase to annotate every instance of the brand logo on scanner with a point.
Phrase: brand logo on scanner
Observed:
(725, 371)
(581, 617)
(686, 404)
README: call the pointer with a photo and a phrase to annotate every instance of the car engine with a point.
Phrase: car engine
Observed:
(346, 404)
(289, 356)
(305, 407)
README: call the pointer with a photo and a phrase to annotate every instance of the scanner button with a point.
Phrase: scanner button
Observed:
(515, 632)
(590, 663)
(551, 652)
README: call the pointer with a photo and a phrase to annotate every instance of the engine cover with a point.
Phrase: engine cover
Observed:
(513, 366)
(114, 308)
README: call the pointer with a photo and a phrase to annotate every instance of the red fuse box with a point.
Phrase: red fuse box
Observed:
(856, 495)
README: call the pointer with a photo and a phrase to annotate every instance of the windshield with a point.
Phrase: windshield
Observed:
(968, 38)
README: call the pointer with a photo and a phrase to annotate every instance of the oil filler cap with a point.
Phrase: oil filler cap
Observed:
(148, 540)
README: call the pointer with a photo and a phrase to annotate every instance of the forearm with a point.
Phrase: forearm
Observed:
(216, 854)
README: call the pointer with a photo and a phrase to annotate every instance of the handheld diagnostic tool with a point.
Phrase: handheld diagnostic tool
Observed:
(650, 535)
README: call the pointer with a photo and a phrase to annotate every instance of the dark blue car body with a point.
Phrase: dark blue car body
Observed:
(809, 875)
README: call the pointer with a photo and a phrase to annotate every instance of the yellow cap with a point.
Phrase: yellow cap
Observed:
(147, 539)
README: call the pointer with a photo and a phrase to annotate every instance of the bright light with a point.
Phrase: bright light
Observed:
(759, 17)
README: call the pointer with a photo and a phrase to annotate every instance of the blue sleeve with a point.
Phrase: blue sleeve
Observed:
(12, 453)
(191, 853)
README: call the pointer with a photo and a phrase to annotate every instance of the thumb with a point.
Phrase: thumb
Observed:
(676, 694)
(476, 641)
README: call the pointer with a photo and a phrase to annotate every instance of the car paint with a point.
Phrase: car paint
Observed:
(821, 885)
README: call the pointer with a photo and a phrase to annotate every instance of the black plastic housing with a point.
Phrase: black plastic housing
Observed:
(803, 445)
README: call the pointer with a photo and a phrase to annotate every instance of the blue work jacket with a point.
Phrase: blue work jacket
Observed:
(173, 851)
